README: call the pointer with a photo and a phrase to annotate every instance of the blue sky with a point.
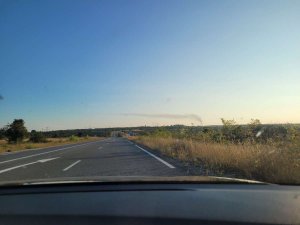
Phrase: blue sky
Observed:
(81, 64)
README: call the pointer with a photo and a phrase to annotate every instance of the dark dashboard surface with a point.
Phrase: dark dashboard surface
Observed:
(150, 203)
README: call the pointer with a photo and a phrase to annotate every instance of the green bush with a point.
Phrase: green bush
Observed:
(161, 132)
(37, 137)
(29, 146)
(2, 133)
(73, 138)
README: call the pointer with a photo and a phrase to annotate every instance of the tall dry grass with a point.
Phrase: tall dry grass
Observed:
(252, 161)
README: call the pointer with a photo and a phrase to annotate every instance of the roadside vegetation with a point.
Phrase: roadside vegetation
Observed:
(15, 137)
(269, 153)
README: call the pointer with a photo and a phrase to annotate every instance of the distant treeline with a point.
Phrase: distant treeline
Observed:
(100, 132)
(229, 131)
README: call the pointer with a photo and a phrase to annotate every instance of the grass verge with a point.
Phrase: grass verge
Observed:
(6, 147)
(258, 162)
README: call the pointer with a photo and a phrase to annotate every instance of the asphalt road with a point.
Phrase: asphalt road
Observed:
(109, 157)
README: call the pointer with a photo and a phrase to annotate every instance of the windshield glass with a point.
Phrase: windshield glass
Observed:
(91, 90)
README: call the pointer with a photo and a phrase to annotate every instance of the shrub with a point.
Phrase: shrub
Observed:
(29, 146)
(161, 132)
(37, 137)
(73, 138)
(2, 133)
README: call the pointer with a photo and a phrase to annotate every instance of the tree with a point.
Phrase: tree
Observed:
(254, 129)
(16, 131)
(233, 132)
(2, 132)
(228, 129)
(37, 137)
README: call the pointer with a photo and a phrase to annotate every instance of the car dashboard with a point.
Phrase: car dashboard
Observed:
(149, 203)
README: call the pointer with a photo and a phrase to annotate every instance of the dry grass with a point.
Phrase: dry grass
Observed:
(5, 147)
(261, 162)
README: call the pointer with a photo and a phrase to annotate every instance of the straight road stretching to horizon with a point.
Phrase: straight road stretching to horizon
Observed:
(109, 157)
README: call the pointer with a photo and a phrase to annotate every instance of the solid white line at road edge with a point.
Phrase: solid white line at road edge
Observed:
(73, 164)
(43, 153)
(159, 159)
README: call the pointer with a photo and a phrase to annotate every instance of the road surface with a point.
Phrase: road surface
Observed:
(109, 157)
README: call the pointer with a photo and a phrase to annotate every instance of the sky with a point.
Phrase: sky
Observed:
(88, 64)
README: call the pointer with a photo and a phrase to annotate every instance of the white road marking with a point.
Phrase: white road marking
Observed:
(159, 159)
(100, 147)
(43, 153)
(46, 160)
(73, 164)
(27, 164)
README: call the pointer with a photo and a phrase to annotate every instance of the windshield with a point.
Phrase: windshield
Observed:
(91, 90)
